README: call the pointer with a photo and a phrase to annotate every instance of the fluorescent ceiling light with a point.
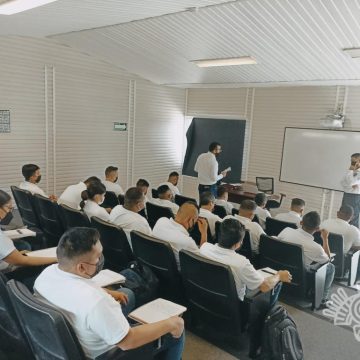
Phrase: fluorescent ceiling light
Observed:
(353, 52)
(243, 60)
(9, 7)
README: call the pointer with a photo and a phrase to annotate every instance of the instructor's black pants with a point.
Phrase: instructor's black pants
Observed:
(353, 200)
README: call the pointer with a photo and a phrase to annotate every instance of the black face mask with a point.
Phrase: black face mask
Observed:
(99, 266)
(7, 219)
(115, 180)
(38, 179)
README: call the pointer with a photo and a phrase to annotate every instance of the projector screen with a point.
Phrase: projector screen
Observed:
(317, 158)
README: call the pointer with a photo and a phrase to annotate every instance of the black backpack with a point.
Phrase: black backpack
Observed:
(280, 338)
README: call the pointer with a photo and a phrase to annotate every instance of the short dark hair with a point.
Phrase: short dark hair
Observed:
(162, 189)
(206, 198)
(110, 169)
(173, 173)
(142, 182)
(91, 179)
(75, 242)
(214, 145)
(346, 211)
(94, 188)
(133, 196)
(311, 220)
(221, 190)
(260, 199)
(231, 232)
(248, 205)
(356, 155)
(297, 203)
(4, 198)
(28, 170)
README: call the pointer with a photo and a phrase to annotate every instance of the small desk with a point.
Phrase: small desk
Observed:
(237, 195)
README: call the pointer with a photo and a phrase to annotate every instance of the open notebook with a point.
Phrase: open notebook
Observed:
(49, 252)
(108, 277)
(157, 310)
(19, 233)
(266, 272)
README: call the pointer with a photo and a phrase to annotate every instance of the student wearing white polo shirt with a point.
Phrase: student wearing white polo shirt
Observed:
(92, 198)
(340, 225)
(222, 200)
(172, 183)
(165, 197)
(295, 214)
(176, 231)
(246, 214)
(72, 194)
(111, 177)
(313, 252)
(94, 313)
(126, 216)
(261, 212)
(207, 204)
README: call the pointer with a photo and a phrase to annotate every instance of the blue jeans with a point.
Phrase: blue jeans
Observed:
(127, 308)
(22, 245)
(171, 348)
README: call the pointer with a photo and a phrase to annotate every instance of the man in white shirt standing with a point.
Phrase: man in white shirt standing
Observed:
(295, 214)
(165, 199)
(94, 313)
(261, 212)
(351, 184)
(207, 168)
(32, 176)
(111, 177)
(340, 225)
(222, 200)
(207, 204)
(246, 214)
(313, 252)
(176, 231)
(172, 183)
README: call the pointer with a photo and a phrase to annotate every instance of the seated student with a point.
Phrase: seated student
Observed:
(222, 200)
(10, 257)
(111, 177)
(246, 214)
(95, 315)
(261, 212)
(176, 231)
(32, 176)
(207, 204)
(295, 213)
(143, 185)
(165, 197)
(72, 194)
(127, 217)
(92, 198)
(340, 225)
(313, 252)
(172, 182)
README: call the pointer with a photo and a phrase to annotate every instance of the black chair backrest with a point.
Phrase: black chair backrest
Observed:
(274, 227)
(265, 184)
(154, 193)
(50, 220)
(48, 333)
(336, 245)
(155, 212)
(159, 256)
(121, 199)
(220, 211)
(245, 248)
(111, 200)
(280, 255)
(25, 203)
(211, 292)
(196, 235)
(234, 211)
(116, 248)
(180, 199)
(73, 218)
(256, 219)
(12, 339)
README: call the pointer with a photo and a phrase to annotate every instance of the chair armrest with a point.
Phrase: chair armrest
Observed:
(353, 258)
(144, 352)
(319, 274)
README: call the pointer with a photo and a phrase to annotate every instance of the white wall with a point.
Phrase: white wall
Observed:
(63, 105)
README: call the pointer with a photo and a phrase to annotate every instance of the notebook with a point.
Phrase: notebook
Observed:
(157, 310)
(49, 252)
(19, 233)
(108, 277)
(267, 272)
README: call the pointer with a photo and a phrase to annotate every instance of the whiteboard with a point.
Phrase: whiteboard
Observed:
(317, 158)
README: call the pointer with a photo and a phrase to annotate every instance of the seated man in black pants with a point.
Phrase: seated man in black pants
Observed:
(231, 235)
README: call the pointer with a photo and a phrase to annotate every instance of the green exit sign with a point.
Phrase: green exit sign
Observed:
(120, 126)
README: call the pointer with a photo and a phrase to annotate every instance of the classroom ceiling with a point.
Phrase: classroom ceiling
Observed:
(294, 41)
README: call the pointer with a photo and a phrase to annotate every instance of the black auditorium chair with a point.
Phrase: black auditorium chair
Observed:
(266, 185)
(196, 235)
(73, 217)
(50, 219)
(154, 194)
(247, 251)
(280, 255)
(155, 212)
(274, 227)
(110, 201)
(51, 336)
(256, 219)
(219, 211)
(121, 199)
(180, 199)
(13, 342)
(116, 248)
(234, 211)
(159, 256)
